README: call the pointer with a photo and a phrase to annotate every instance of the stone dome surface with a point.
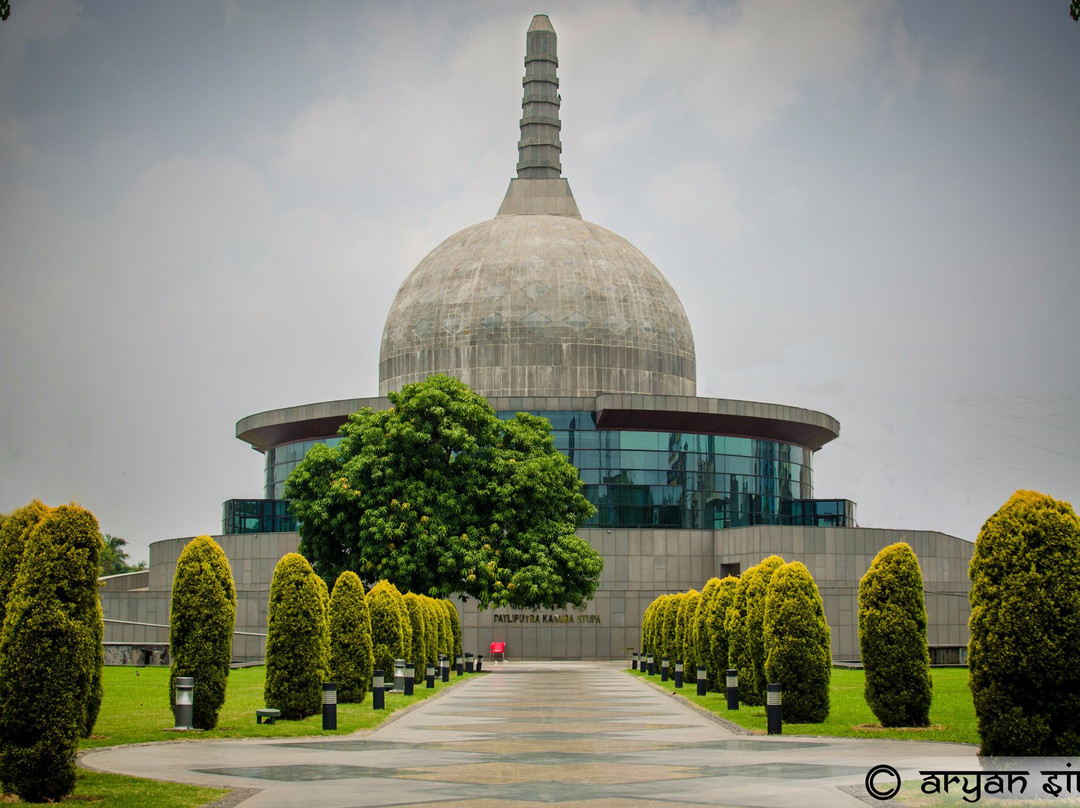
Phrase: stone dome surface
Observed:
(539, 305)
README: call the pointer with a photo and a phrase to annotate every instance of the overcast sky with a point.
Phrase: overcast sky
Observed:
(867, 208)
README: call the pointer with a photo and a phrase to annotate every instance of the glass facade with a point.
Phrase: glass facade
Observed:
(256, 516)
(664, 479)
(281, 460)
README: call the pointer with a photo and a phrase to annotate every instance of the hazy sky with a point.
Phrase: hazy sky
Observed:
(867, 208)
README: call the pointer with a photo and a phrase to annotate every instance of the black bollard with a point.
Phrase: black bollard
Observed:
(329, 705)
(678, 673)
(410, 678)
(773, 717)
(649, 662)
(470, 665)
(429, 676)
(378, 694)
(479, 662)
(702, 680)
(633, 661)
(445, 668)
(461, 666)
(663, 669)
(732, 689)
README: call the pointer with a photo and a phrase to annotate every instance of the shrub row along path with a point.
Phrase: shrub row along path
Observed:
(573, 734)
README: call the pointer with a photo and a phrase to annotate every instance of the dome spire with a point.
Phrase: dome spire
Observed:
(539, 187)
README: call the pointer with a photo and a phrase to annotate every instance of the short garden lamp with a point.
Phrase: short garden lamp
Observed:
(329, 705)
(429, 675)
(470, 664)
(378, 695)
(678, 673)
(410, 678)
(633, 661)
(399, 675)
(185, 702)
(702, 680)
(479, 662)
(732, 689)
(664, 668)
(459, 664)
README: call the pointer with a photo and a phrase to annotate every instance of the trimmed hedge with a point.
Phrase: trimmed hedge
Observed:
(737, 630)
(13, 535)
(1025, 628)
(297, 639)
(667, 629)
(756, 592)
(389, 622)
(797, 644)
(432, 626)
(455, 628)
(892, 639)
(49, 655)
(716, 633)
(351, 657)
(684, 629)
(701, 634)
(202, 617)
(417, 653)
(446, 628)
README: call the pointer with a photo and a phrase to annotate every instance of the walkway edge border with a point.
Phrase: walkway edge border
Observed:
(731, 725)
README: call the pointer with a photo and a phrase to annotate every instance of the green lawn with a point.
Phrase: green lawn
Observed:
(136, 709)
(116, 791)
(952, 714)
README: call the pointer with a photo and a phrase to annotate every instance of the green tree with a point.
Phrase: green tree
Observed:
(13, 535)
(892, 639)
(297, 634)
(737, 631)
(417, 653)
(1025, 628)
(351, 656)
(646, 627)
(114, 558)
(49, 655)
(670, 626)
(684, 630)
(756, 590)
(440, 496)
(797, 644)
(201, 622)
(391, 633)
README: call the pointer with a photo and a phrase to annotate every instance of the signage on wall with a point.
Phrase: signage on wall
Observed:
(545, 617)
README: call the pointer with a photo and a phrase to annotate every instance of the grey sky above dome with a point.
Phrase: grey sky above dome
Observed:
(537, 301)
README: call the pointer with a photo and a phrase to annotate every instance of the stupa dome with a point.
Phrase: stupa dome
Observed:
(537, 301)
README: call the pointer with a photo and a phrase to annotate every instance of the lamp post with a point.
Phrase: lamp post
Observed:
(329, 705)
(732, 689)
(185, 702)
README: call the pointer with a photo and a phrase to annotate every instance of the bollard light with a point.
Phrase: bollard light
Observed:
(633, 661)
(649, 662)
(479, 662)
(429, 676)
(678, 673)
(470, 664)
(702, 680)
(664, 667)
(329, 705)
(444, 664)
(185, 702)
(732, 689)
(460, 665)
(378, 695)
(773, 718)
(399, 675)
(410, 678)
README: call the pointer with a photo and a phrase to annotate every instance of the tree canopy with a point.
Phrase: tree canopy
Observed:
(438, 495)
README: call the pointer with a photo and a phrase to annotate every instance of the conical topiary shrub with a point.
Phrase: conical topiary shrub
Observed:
(892, 639)
(388, 624)
(351, 656)
(201, 622)
(297, 639)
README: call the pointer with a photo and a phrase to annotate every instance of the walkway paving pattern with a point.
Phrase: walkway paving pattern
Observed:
(571, 734)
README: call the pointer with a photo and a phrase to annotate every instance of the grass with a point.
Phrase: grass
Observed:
(952, 714)
(136, 709)
(118, 791)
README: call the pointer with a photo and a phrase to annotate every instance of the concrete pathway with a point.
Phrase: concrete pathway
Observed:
(575, 734)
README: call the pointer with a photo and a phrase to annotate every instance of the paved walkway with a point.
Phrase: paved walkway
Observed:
(575, 734)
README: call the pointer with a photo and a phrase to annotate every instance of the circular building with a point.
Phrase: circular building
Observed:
(541, 311)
